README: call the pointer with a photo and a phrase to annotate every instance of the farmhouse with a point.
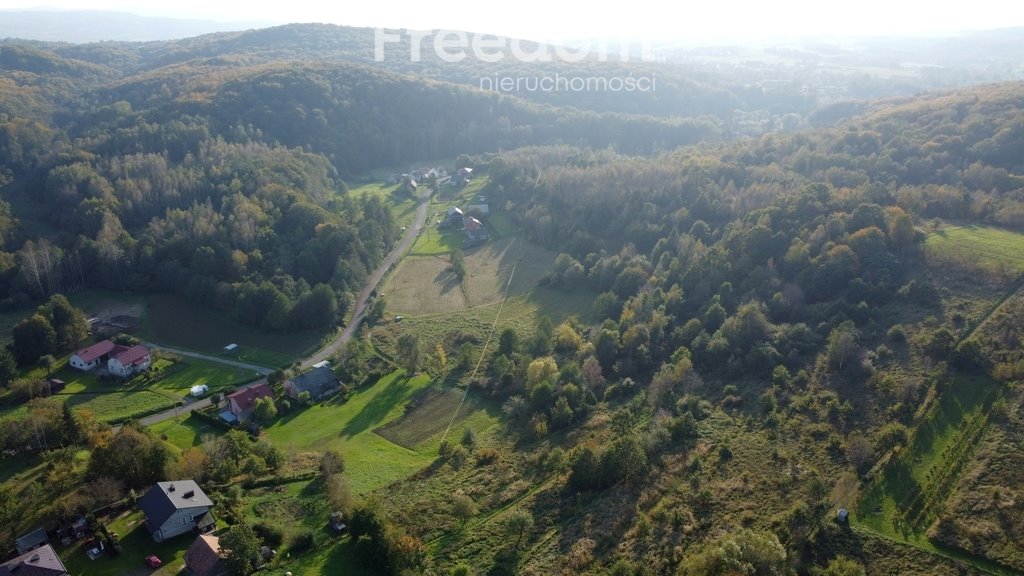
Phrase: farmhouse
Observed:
(474, 231)
(203, 557)
(318, 382)
(453, 218)
(173, 508)
(125, 361)
(39, 562)
(92, 356)
(462, 176)
(241, 402)
(479, 206)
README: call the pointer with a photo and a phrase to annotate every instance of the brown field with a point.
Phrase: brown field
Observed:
(422, 284)
(431, 417)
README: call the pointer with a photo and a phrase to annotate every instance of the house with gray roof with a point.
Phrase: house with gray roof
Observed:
(39, 562)
(177, 507)
(318, 382)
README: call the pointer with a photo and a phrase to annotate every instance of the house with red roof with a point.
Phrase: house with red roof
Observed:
(205, 557)
(92, 356)
(241, 402)
(125, 361)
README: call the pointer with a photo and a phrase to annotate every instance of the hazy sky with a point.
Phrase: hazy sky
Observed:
(553, 20)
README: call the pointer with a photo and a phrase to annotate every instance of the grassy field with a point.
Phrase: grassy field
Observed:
(185, 431)
(177, 322)
(371, 461)
(913, 486)
(423, 285)
(403, 207)
(520, 312)
(983, 515)
(435, 242)
(987, 248)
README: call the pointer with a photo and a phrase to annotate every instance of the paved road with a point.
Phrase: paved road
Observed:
(359, 310)
(358, 313)
(202, 402)
(180, 410)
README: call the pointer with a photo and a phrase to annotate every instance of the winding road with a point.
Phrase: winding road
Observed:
(359, 310)
(336, 345)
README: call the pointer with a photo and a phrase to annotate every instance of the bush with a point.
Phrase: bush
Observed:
(272, 536)
(301, 542)
(486, 456)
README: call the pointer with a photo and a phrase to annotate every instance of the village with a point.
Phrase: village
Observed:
(175, 509)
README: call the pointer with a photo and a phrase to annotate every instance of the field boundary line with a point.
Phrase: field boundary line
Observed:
(487, 342)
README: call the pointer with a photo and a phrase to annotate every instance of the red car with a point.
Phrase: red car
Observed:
(153, 561)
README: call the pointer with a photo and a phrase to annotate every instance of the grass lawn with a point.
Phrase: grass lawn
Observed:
(435, 242)
(403, 208)
(371, 462)
(986, 247)
(112, 406)
(342, 558)
(185, 431)
(177, 322)
(136, 545)
(181, 376)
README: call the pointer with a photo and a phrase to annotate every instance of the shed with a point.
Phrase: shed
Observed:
(32, 540)
(843, 515)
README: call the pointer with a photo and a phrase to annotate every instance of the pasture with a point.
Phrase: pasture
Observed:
(423, 285)
(913, 486)
(174, 321)
(983, 248)
(371, 461)
(403, 207)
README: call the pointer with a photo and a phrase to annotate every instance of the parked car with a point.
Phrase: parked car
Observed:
(153, 561)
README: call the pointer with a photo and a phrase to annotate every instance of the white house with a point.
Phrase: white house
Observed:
(173, 508)
(126, 361)
(91, 356)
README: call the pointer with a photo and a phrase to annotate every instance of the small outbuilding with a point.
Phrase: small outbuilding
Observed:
(32, 540)
(843, 516)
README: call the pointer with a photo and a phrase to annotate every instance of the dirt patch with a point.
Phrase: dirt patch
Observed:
(111, 318)
(429, 418)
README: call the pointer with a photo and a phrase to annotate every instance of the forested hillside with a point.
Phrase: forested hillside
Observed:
(776, 333)
(675, 351)
(222, 177)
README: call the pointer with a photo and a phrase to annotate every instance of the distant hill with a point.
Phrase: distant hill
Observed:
(100, 26)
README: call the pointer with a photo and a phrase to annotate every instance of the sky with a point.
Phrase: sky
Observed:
(548, 20)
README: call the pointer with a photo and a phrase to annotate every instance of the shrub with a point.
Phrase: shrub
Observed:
(486, 456)
(272, 536)
(301, 542)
